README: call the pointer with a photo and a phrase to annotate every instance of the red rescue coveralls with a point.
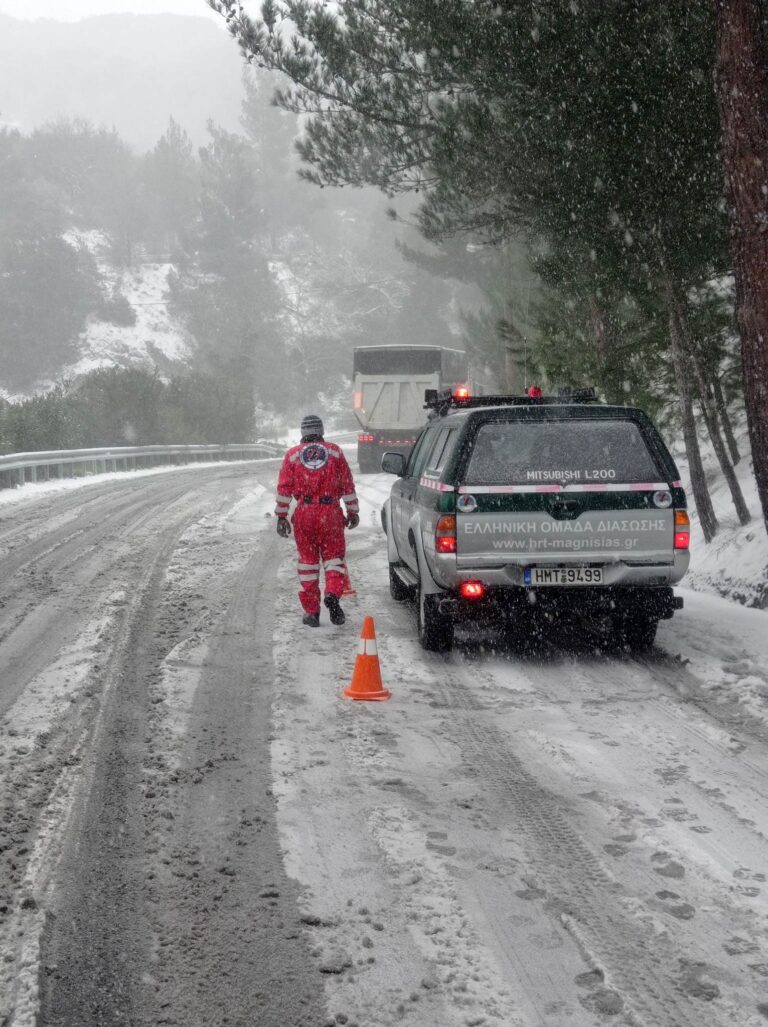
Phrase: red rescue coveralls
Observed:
(317, 475)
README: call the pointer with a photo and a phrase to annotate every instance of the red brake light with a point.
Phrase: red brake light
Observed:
(535, 392)
(365, 438)
(472, 589)
(446, 544)
(682, 530)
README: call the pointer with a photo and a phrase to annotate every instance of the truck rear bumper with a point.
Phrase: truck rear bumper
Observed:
(372, 445)
(450, 571)
(657, 602)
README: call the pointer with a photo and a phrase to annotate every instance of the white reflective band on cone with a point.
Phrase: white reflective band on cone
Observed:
(367, 647)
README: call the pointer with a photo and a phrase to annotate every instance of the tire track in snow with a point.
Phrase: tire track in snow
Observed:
(53, 755)
(97, 945)
(638, 966)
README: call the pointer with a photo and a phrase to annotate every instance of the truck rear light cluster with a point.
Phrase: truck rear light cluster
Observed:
(365, 438)
(471, 590)
(682, 529)
(445, 534)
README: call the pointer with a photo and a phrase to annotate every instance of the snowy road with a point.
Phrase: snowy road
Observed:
(196, 829)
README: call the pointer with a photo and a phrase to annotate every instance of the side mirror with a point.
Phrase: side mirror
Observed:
(394, 463)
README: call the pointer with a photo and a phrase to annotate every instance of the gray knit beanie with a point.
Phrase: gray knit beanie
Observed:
(311, 425)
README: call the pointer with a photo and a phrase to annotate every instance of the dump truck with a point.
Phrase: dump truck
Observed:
(389, 383)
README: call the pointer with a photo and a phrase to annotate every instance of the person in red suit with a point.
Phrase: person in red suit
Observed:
(316, 474)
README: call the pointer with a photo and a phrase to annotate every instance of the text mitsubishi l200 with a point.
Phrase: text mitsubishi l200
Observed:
(535, 508)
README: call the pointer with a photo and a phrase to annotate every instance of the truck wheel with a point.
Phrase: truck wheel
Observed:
(434, 628)
(367, 461)
(637, 632)
(397, 588)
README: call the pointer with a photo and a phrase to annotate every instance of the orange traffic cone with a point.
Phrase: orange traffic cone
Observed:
(348, 590)
(366, 679)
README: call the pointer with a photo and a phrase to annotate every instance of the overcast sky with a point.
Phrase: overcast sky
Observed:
(72, 10)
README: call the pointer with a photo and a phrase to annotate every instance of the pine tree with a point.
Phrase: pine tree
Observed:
(47, 286)
(171, 178)
(587, 129)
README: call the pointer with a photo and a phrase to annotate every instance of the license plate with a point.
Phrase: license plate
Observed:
(563, 576)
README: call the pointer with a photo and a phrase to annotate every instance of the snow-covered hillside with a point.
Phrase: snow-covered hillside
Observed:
(155, 340)
(735, 563)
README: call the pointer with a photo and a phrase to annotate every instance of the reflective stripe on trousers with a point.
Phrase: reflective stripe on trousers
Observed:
(319, 533)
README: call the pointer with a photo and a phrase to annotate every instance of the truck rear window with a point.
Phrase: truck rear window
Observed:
(551, 452)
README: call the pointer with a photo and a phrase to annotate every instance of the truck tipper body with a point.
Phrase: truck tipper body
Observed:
(389, 383)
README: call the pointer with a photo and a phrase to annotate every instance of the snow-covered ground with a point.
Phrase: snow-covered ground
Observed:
(515, 841)
(563, 839)
(735, 562)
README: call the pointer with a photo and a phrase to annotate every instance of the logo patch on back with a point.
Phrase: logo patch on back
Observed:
(314, 456)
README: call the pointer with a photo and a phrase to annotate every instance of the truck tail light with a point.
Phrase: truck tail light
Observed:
(472, 589)
(682, 529)
(445, 534)
(365, 438)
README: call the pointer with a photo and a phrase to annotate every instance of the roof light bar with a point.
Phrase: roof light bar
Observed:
(443, 401)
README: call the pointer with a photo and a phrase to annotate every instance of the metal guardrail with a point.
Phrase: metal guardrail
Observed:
(20, 468)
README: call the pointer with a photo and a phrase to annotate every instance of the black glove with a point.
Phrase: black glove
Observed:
(353, 520)
(283, 527)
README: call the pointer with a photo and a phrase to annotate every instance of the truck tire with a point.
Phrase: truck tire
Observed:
(435, 630)
(637, 632)
(397, 587)
(367, 462)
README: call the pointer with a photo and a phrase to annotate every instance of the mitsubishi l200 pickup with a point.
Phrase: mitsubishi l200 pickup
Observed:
(536, 507)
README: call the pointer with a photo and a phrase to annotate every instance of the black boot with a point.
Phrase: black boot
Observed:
(334, 606)
(312, 620)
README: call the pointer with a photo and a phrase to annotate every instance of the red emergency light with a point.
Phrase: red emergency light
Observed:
(472, 589)
(461, 392)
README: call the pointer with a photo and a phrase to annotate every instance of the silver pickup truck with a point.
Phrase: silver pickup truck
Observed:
(534, 508)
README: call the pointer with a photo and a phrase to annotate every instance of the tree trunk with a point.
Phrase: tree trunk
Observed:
(701, 497)
(725, 420)
(600, 330)
(742, 93)
(710, 413)
(515, 346)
